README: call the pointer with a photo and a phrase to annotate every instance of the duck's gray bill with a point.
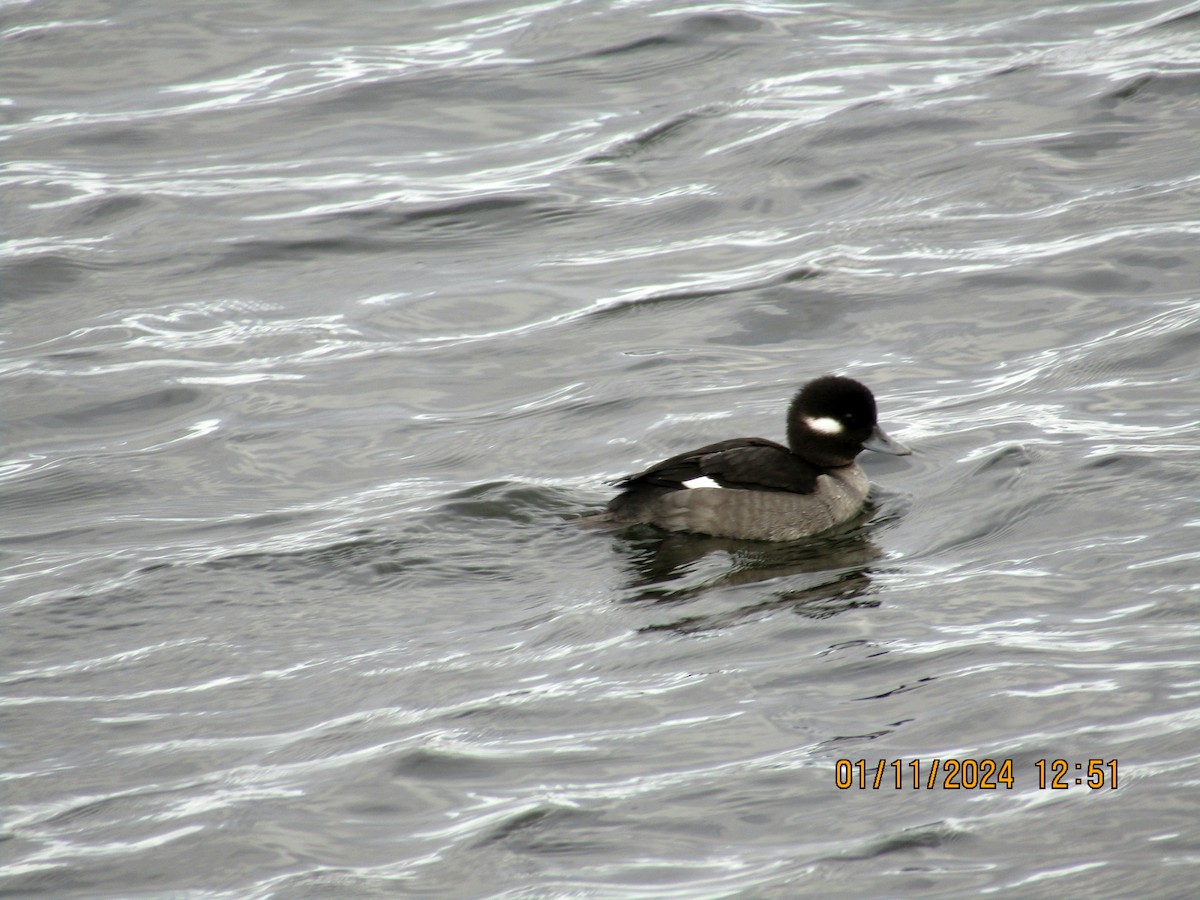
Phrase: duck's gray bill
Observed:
(881, 443)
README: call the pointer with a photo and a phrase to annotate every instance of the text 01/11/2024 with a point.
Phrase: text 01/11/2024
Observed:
(970, 774)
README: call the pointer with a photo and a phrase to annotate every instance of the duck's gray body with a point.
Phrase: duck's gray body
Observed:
(756, 489)
(752, 515)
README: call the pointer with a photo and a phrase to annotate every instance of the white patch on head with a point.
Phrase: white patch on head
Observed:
(825, 425)
(702, 481)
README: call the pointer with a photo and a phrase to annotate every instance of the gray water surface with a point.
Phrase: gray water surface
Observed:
(324, 323)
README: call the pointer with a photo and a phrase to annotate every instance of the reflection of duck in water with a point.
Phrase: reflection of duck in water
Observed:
(815, 579)
(756, 489)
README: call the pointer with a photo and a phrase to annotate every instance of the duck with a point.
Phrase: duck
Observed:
(756, 489)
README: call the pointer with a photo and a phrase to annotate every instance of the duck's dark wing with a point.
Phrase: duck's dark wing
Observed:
(748, 463)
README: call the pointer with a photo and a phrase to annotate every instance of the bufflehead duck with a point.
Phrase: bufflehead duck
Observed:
(756, 489)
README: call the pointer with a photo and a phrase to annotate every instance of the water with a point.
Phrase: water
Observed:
(323, 324)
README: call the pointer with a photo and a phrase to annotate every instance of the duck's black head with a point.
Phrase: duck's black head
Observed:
(832, 419)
